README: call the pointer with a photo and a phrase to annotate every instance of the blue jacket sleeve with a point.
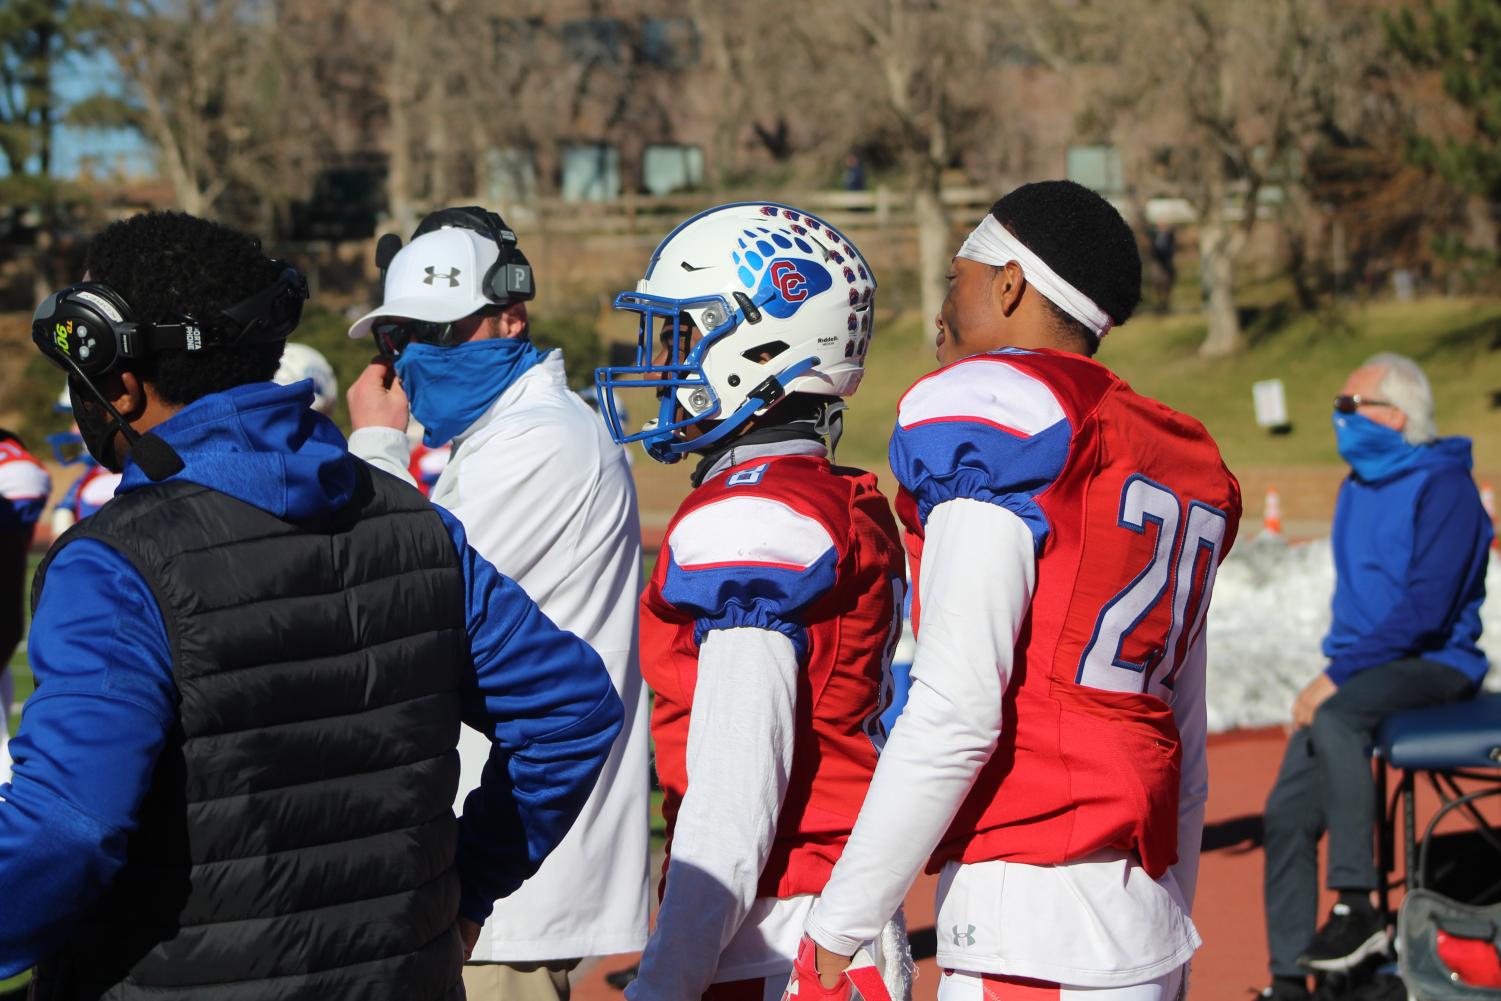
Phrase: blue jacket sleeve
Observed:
(1447, 521)
(544, 699)
(86, 750)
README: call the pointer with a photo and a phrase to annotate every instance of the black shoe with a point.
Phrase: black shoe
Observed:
(1351, 935)
(1283, 989)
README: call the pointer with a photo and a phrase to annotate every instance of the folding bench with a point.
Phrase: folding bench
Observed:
(1447, 948)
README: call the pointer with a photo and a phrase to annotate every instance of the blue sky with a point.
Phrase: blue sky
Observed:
(107, 149)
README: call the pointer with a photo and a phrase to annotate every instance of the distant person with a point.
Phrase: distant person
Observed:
(426, 465)
(94, 486)
(237, 773)
(24, 486)
(1164, 244)
(854, 173)
(299, 362)
(543, 493)
(1411, 542)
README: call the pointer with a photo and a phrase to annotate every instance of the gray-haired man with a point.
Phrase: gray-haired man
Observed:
(1410, 541)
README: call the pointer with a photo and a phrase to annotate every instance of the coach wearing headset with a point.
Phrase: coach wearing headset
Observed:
(548, 498)
(236, 774)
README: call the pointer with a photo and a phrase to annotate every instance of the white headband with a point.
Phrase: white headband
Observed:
(991, 243)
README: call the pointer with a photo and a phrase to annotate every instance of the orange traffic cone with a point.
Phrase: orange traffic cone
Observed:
(1271, 514)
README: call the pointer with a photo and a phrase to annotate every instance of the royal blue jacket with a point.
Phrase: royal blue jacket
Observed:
(1410, 556)
(105, 699)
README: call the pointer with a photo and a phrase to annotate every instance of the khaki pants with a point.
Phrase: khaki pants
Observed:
(519, 981)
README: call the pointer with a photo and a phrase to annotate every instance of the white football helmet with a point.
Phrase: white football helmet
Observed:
(300, 362)
(783, 302)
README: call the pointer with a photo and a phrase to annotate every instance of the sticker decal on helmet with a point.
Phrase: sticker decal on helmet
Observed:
(788, 282)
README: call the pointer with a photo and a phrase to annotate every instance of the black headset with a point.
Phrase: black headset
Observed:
(508, 280)
(89, 328)
(88, 331)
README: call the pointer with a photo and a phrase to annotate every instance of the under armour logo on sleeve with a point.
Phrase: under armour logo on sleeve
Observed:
(966, 937)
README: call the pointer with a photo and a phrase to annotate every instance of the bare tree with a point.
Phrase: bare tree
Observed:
(203, 74)
(912, 76)
(1223, 93)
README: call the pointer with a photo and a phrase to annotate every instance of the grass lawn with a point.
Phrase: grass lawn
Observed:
(1457, 341)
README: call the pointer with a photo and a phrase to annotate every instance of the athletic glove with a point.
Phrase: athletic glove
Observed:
(862, 977)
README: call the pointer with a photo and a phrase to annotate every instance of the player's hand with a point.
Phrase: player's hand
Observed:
(820, 975)
(1313, 695)
(830, 966)
(469, 931)
(376, 398)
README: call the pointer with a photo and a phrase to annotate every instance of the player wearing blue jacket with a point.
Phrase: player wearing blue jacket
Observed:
(1411, 543)
(236, 775)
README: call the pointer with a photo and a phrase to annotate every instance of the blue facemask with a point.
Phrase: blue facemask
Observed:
(451, 388)
(1374, 452)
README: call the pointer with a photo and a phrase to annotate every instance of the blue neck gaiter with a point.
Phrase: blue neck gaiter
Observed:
(451, 388)
(1374, 452)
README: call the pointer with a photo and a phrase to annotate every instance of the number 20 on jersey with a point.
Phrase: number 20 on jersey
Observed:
(1181, 570)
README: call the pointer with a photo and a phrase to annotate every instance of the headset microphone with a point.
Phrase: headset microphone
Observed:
(157, 459)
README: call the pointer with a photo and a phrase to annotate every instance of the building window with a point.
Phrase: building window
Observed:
(591, 173)
(510, 176)
(1097, 168)
(594, 40)
(669, 42)
(665, 169)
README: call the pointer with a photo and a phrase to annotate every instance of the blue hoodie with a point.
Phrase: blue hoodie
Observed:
(106, 700)
(1410, 555)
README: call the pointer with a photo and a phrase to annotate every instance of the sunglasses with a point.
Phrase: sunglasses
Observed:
(393, 334)
(1348, 404)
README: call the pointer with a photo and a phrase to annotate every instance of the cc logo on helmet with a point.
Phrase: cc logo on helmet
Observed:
(789, 281)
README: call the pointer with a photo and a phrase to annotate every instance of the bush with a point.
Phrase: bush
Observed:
(583, 351)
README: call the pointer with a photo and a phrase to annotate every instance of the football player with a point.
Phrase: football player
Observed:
(768, 625)
(24, 486)
(94, 487)
(299, 362)
(1064, 534)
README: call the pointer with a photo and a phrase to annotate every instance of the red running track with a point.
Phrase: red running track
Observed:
(1232, 963)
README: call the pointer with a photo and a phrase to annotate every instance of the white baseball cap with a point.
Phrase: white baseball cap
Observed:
(437, 277)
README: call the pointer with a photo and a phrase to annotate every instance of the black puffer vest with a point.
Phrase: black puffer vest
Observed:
(297, 841)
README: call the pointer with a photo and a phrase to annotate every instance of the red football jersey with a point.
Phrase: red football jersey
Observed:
(24, 485)
(793, 544)
(427, 464)
(1132, 509)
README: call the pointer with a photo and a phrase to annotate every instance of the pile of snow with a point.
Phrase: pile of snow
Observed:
(1268, 616)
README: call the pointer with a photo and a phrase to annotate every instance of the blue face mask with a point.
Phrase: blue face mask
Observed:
(1373, 451)
(451, 388)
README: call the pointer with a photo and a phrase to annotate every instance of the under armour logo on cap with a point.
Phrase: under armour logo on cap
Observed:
(452, 277)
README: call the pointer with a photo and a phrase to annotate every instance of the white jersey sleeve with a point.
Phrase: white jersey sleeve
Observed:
(978, 576)
(1190, 713)
(740, 746)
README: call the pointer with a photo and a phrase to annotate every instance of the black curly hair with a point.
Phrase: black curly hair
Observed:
(1084, 239)
(168, 265)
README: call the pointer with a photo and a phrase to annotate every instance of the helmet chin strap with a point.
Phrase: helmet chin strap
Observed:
(830, 425)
